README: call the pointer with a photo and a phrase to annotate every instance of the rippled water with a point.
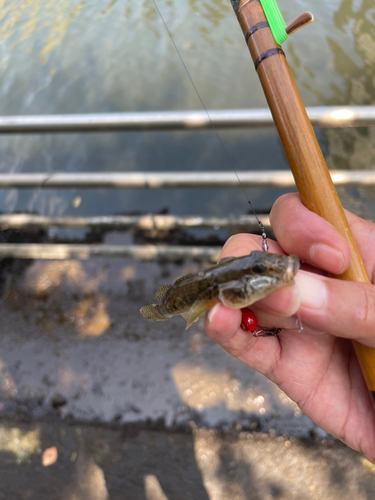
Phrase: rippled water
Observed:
(73, 56)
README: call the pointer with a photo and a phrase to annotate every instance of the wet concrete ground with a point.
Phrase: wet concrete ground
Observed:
(133, 409)
(101, 463)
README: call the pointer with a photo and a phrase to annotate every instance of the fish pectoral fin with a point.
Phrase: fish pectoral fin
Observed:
(233, 294)
(161, 291)
(152, 312)
(198, 308)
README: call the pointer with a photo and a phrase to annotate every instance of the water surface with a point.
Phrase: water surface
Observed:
(78, 56)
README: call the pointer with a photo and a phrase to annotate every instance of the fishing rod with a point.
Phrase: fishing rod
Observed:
(265, 30)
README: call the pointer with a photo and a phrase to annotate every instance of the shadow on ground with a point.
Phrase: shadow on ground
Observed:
(103, 463)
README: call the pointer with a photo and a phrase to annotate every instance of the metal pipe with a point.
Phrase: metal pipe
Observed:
(326, 117)
(82, 251)
(157, 180)
(144, 222)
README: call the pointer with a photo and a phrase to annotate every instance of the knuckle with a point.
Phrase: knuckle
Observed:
(365, 312)
(239, 244)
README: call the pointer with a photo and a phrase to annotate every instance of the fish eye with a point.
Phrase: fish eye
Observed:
(259, 267)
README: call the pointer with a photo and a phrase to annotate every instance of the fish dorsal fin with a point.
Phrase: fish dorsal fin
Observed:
(226, 259)
(161, 291)
(183, 278)
(198, 308)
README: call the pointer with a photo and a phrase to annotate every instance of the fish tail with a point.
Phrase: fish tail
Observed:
(152, 311)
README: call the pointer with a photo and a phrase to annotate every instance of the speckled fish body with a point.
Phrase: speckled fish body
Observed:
(236, 282)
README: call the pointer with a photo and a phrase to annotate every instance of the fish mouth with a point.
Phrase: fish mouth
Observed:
(292, 268)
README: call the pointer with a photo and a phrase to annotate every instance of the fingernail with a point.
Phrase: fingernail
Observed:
(329, 257)
(212, 313)
(312, 290)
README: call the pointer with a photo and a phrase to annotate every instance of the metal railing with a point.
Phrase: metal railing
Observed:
(84, 251)
(348, 116)
(166, 180)
(146, 222)
(326, 117)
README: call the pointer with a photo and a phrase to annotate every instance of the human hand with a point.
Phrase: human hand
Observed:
(317, 367)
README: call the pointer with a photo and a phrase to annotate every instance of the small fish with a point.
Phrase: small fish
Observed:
(236, 282)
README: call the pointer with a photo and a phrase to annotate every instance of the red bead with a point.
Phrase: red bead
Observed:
(249, 322)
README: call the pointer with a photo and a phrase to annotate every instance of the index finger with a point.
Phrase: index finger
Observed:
(243, 244)
(315, 240)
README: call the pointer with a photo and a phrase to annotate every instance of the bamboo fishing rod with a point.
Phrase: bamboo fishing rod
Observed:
(262, 25)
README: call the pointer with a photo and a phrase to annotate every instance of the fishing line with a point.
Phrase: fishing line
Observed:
(264, 235)
(298, 319)
(39, 190)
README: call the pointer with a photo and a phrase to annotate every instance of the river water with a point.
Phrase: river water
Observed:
(72, 56)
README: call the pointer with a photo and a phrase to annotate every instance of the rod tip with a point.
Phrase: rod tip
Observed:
(235, 4)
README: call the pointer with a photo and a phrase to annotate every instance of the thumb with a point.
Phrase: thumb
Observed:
(342, 308)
